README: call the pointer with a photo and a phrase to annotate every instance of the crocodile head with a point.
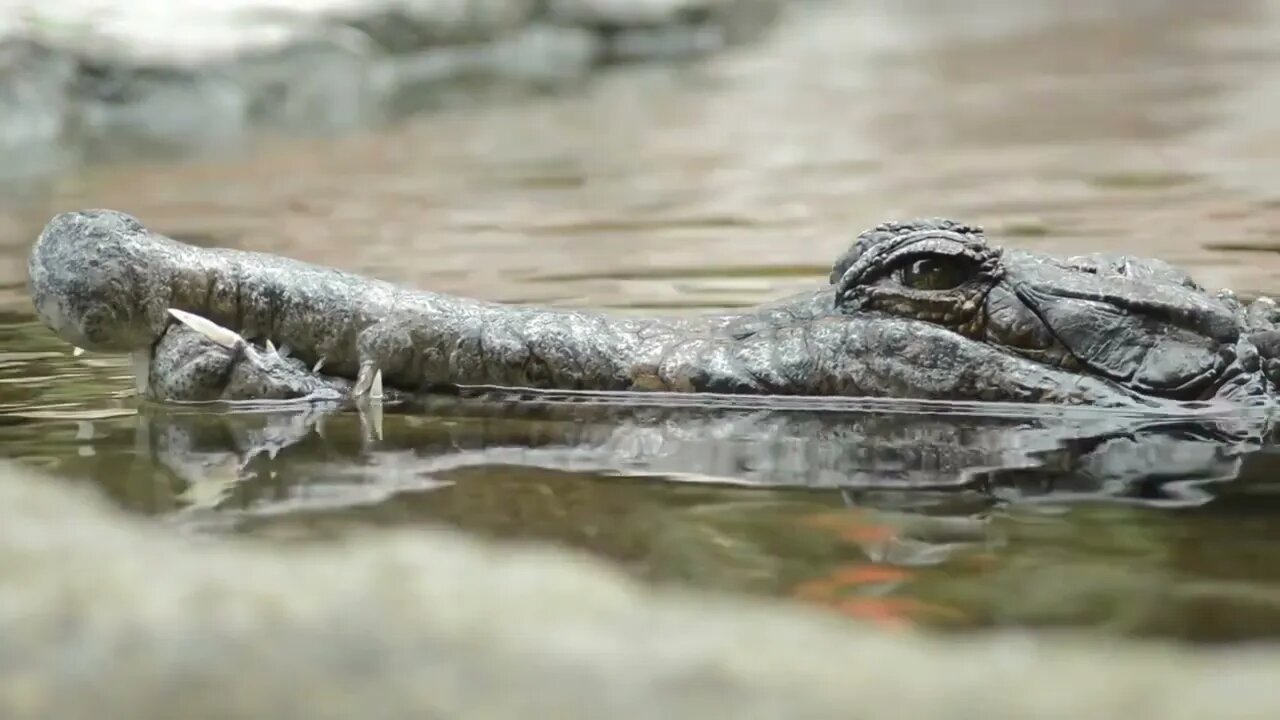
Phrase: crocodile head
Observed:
(1140, 324)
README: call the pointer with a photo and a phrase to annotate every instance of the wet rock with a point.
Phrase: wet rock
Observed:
(35, 108)
(412, 25)
(642, 29)
(634, 13)
(107, 617)
(186, 74)
(33, 98)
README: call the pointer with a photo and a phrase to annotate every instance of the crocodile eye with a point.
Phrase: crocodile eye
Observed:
(935, 273)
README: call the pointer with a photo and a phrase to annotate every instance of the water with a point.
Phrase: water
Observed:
(1063, 127)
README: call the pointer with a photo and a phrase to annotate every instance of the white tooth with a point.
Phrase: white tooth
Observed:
(271, 347)
(375, 389)
(210, 329)
(76, 351)
(284, 351)
(140, 363)
(319, 364)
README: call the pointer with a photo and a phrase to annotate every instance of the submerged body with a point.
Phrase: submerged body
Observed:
(924, 309)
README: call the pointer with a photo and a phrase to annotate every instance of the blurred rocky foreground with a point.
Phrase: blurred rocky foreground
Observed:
(185, 72)
(103, 616)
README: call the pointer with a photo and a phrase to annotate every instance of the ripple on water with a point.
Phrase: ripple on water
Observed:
(41, 379)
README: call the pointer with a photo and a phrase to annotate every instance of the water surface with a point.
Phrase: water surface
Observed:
(1147, 127)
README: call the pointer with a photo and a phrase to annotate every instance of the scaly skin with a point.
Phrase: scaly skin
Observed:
(924, 309)
(186, 366)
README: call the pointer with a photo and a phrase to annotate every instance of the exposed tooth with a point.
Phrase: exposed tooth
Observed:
(271, 347)
(76, 351)
(319, 364)
(210, 329)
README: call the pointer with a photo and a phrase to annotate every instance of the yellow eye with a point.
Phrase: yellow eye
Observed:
(935, 274)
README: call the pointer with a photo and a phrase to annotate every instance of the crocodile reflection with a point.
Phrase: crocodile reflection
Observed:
(315, 457)
(781, 502)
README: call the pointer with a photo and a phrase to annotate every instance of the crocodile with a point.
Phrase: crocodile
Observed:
(922, 308)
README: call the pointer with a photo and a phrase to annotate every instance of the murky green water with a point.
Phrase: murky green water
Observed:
(1065, 127)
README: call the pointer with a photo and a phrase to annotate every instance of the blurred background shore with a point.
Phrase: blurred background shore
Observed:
(676, 154)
